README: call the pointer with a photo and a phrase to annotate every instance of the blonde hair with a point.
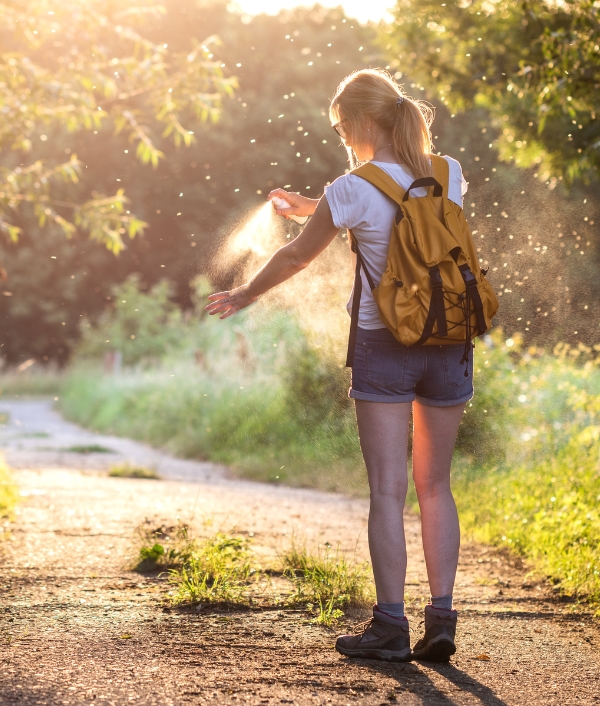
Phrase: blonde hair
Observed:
(373, 93)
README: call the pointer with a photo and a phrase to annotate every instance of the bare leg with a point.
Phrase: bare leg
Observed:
(435, 430)
(383, 431)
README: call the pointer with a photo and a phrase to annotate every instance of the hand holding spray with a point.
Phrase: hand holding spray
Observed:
(282, 203)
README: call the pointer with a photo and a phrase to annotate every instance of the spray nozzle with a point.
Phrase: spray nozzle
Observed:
(282, 203)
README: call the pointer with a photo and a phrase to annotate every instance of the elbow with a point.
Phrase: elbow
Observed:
(298, 264)
(294, 260)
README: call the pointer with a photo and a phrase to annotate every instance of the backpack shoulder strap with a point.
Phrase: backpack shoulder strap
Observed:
(381, 180)
(441, 172)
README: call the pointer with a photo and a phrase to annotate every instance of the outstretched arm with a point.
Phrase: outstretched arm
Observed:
(285, 263)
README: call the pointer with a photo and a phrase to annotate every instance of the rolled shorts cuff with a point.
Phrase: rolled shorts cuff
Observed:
(428, 402)
(371, 397)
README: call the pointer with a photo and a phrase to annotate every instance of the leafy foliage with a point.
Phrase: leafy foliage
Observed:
(534, 66)
(81, 65)
(140, 326)
(188, 214)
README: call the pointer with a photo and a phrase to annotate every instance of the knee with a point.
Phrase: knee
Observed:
(388, 496)
(430, 487)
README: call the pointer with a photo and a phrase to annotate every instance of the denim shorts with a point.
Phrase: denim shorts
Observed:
(385, 370)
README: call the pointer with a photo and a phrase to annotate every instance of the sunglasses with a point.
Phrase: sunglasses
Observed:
(339, 129)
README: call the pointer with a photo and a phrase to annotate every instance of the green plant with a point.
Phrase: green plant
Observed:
(141, 326)
(327, 613)
(316, 388)
(227, 392)
(326, 581)
(546, 509)
(35, 380)
(255, 419)
(126, 470)
(8, 490)
(526, 64)
(161, 546)
(39, 59)
(89, 449)
(217, 570)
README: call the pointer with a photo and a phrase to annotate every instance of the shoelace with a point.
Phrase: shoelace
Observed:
(362, 627)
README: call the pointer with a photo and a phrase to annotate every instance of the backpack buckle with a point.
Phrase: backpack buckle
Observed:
(436, 277)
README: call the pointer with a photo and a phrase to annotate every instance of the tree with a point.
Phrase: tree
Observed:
(81, 66)
(250, 149)
(534, 66)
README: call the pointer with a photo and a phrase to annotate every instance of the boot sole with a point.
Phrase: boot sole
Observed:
(383, 655)
(439, 651)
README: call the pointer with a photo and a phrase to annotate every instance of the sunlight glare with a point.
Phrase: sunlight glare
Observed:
(373, 11)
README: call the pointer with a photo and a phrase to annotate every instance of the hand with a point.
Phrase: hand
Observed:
(228, 303)
(299, 205)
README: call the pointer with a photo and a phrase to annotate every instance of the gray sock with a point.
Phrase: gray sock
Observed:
(442, 602)
(396, 610)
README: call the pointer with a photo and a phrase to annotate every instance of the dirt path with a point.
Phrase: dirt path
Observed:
(76, 628)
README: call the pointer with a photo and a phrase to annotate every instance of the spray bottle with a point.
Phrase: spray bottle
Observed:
(282, 203)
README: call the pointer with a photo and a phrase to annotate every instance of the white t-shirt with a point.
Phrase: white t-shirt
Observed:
(358, 205)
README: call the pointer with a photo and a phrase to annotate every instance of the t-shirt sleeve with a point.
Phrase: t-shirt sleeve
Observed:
(457, 186)
(341, 197)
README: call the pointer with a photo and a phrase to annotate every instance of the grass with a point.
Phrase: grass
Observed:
(326, 582)
(251, 425)
(35, 381)
(218, 570)
(221, 568)
(540, 499)
(89, 449)
(547, 512)
(264, 396)
(126, 470)
(161, 547)
(532, 418)
(8, 491)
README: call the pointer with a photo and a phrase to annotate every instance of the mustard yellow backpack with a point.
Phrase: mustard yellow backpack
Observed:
(433, 291)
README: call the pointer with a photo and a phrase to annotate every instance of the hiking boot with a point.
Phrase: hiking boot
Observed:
(382, 637)
(437, 645)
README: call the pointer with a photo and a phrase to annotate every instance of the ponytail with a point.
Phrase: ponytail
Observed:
(373, 93)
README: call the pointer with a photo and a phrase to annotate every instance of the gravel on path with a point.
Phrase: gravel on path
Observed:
(76, 627)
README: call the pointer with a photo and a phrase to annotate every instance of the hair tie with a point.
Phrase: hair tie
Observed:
(400, 100)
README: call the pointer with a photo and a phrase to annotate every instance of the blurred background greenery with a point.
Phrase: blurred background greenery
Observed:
(138, 137)
(94, 84)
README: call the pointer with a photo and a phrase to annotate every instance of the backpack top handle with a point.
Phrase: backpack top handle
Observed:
(426, 181)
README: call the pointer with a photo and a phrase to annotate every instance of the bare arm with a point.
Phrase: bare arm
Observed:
(299, 205)
(285, 263)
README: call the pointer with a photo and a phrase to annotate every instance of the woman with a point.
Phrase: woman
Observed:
(379, 123)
